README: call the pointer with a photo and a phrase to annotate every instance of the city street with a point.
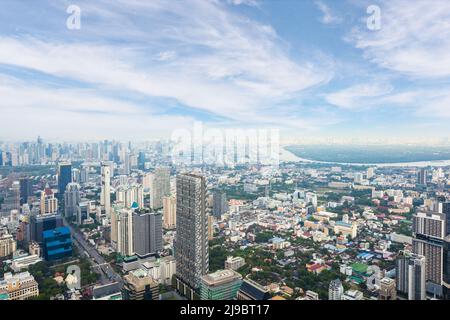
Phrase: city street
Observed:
(99, 264)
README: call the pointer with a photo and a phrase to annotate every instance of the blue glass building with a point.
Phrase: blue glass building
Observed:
(57, 244)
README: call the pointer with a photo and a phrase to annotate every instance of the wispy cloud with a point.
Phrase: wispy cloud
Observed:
(78, 114)
(359, 97)
(251, 3)
(328, 16)
(141, 66)
(414, 38)
(213, 60)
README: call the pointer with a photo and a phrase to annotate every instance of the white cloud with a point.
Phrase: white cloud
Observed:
(432, 102)
(414, 39)
(328, 16)
(77, 114)
(251, 3)
(166, 55)
(359, 97)
(212, 60)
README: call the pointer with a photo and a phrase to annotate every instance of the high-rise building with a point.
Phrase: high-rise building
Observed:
(141, 160)
(12, 198)
(446, 212)
(311, 198)
(147, 233)
(422, 176)
(84, 174)
(7, 245)
(124, 227)
(370, 173)
(335, 290)
(115, 217)
(130, 194)
(446, 280)
(72, 200)
(126, 166)
(169, 212)
(411, 275)
(105, 198)
(220, 204)
(220, 285)
(191, 243)
(49, 203)
(57, 244)
(446, 260)
(388, 289)
(41, 223)
(26, 189)
(15, 192)
(210, 227)
(64, 178)
(76, 175)
(428, 240)
(159, 187)
(139, 286)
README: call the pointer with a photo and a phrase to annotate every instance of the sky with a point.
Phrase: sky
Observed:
(138, 70)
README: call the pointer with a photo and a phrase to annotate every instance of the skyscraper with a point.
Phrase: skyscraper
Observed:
(411, 275)
(41, 223)
(159, 187)
(446, 280)
(422, 176)
(49, 203)
(25, 189)
(147, 233)
(191, 243)
(126, 166)
(446, 261)
(210, 227)
(15, 195)
(105, 198)
(64, 178)
(12, 199)
(72, 200)
(446, 212)
(220, 204)
(428, 240)
(115, 217)
(125, 232)
(141, 160)
(170, 212)
(130, 194)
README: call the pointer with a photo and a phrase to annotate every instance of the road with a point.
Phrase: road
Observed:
(102, 267)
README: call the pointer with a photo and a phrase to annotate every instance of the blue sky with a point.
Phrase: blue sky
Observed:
(141, 69)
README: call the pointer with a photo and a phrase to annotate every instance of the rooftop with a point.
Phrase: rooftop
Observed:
(220, 277)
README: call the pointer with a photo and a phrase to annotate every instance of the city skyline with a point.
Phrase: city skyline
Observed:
(238, 151)
(143, 69)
